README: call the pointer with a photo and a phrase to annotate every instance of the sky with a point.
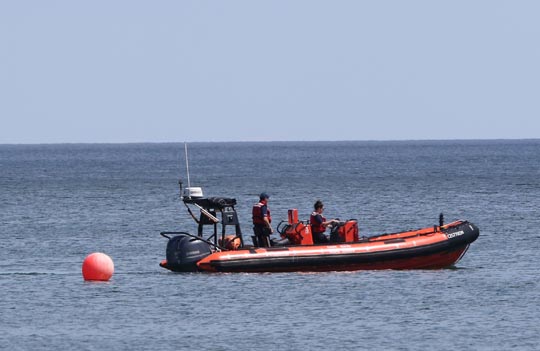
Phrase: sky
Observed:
(186, 71)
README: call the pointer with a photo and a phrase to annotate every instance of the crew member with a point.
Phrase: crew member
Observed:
(262, 220)
(319, 223)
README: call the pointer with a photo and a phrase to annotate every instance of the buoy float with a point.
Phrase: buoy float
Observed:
(97, 266)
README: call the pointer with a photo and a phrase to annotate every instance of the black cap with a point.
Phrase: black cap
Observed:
(264, 196)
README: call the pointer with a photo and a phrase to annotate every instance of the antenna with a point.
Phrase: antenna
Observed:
(187, 165)
(190, 192)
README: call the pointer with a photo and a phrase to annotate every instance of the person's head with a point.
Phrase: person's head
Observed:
(264, 197)
(318, 205)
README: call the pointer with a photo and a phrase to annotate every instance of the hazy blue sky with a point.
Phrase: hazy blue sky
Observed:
(155, 71)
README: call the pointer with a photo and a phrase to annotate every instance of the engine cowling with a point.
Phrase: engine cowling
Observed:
(183, 253)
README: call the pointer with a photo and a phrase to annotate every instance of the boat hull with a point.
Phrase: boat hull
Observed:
(428, 248)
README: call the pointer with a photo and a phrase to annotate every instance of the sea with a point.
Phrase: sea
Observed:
(62, 202)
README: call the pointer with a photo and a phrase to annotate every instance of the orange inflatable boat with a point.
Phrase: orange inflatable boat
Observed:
(437, 246)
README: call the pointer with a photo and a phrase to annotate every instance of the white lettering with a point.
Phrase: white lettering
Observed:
(454, 234)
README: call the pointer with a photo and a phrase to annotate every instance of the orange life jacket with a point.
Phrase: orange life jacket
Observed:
(317, 227)
(257, 212)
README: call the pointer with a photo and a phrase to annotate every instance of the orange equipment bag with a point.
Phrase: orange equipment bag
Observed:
(299, 234)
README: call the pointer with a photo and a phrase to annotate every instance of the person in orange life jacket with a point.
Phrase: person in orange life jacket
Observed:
(319, 223)
(262, 221)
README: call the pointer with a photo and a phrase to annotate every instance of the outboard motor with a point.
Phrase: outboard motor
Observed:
(183, 253)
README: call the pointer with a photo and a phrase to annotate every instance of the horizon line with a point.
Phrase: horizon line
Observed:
(263, 141)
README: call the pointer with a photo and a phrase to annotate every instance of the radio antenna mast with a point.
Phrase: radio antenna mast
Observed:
(187, 165)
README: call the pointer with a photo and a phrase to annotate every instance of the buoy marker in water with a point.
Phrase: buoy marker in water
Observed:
(97, 266)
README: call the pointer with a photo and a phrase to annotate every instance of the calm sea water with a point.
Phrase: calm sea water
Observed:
(58, 203)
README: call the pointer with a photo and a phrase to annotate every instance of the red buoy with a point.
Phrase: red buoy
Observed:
(97, 266)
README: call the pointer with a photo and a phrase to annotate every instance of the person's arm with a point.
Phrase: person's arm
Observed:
(319, 219)
(327, 223)
(268, 224)
(265, 217)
